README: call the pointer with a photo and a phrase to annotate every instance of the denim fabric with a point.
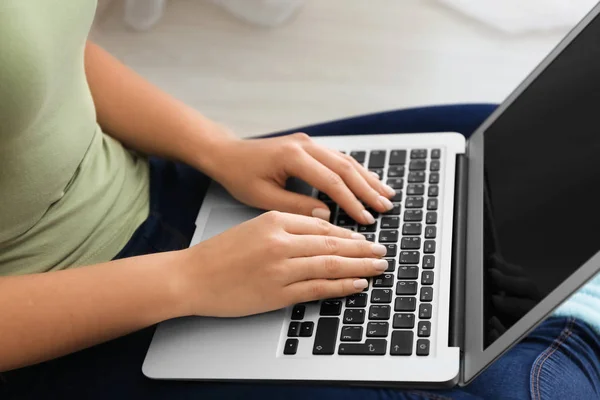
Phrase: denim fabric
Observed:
(558, 360)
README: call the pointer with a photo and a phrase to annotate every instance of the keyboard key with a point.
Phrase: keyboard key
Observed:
(323, 197)
(408, 272)
(427, 278)
(392, 250)
(298, 312)
(345, 220)
(412, 229)
(395, 171)
(416, 177)
(397, 197)
(291, 347)
(414, 202)
(378, 171)
(326, 336)
(371, 347)
(358, 156)
(395, 183)
(415, 189)
(356, 300)
(394, 211)
(422, 347)
(402, 343)
(354, 316)
(351, 334)
(405, 304)
(377, 159)
(413, 215)
(432, 204)
(424, 311)
(410, 243)
(433, 191)
(388, 236)
(424, 329)
(434, 178)
(331, 307)
(377, 329)
(398, 157)
(306, 329)
(404, 321)
(406, 288)
(428, 262)
(436, 153)
(430, 232)
(381, 296)
(417, 165)
(434, 165)
(385, 280)
(379, 312)
(367, 228)
(418, 154)
(294, 329)
(391, 265)
(426, 294)
(429, 247)
(431, 218)
(369, 236)
(390, 222)
(409, 257)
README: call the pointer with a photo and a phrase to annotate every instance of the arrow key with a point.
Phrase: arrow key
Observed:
(402, 343)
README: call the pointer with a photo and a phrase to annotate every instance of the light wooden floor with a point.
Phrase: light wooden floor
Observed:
(337, 58)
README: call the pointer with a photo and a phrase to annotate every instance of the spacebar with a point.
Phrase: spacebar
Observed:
(371, 347)
(326, 335)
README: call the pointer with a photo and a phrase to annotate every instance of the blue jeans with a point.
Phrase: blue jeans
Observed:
(558, 360)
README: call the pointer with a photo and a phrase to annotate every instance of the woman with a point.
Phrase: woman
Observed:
(75, 192)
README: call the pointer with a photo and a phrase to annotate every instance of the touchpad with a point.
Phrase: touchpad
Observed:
(222, 218)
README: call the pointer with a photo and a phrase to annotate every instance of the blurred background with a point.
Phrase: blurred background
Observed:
(260, 66)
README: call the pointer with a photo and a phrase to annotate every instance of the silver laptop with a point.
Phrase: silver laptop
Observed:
(487, 237)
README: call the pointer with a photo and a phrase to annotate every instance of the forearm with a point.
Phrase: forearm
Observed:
(147, 119)
(43, 316)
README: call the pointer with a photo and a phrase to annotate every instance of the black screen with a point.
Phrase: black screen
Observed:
(542, 185)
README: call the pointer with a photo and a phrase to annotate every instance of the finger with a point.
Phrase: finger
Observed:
(372, 178)
(317, 289)
(319, 176)
(276, 198)
(333, 267)
(311, 246)
(353, 179)
(302, 225)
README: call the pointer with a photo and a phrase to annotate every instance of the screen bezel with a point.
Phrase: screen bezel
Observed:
(475, 357)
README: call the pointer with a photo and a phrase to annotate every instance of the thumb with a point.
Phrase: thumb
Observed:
(277, 198)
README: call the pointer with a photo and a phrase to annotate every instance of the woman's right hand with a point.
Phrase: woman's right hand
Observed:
(273, 261)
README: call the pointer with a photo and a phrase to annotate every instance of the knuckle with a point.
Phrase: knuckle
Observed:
(331, 244)
(318, 290)
(324, 227)
(332, 266)
(334, 179)
(273, 217)
(346, 166)
(301, 136)
(277, 242)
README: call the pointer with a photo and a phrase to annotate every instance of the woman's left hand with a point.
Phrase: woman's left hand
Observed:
(255, 173)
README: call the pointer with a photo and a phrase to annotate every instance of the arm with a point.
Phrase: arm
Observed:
(44, 316)
(145, 118)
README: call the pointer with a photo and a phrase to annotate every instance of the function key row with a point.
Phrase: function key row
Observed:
(397, 157)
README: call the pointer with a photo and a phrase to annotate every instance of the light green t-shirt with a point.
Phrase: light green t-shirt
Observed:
(69, 194)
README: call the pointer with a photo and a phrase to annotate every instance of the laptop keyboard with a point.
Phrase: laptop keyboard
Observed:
(393, 315)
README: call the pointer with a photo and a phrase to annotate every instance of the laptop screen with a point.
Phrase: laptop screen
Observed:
(542, 185)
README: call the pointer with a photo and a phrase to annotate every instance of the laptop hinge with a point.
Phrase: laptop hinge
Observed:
(457, 291)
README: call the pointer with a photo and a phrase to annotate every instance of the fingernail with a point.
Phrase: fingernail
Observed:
(321, 213)
(390, 191)
(375, 174)
(361, 284)
(358, 236)
(385, 203)
(379, 250)
(368, 217)
(380, 265)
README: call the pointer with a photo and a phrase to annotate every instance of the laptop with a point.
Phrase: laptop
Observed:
(487, 237)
